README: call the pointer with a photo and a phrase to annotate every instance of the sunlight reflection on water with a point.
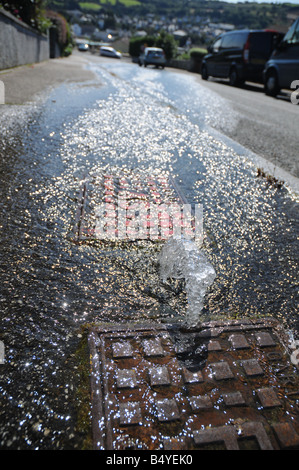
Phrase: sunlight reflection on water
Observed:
(50, 286)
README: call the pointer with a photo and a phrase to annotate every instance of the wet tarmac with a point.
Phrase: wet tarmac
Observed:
(156, 122)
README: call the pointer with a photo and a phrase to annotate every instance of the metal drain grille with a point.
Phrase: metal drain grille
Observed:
(130, 207)
(243, 394)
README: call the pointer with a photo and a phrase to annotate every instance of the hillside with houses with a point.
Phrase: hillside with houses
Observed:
(191, 23)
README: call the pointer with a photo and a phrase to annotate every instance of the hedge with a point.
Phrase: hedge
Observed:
(197, 53)
(136, 44)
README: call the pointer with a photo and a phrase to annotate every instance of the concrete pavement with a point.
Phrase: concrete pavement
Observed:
(24, 83)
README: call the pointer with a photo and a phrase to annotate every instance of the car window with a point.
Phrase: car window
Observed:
(293, 34)
(216, 45)
(296, 35)
(234, 41)
(155, 53)
(227, 41)
(240, 40)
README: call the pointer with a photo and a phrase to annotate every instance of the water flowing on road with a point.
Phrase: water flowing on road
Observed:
(155, 122)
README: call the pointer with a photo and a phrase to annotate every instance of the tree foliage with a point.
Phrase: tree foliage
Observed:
(31, 12)
(163, 40)
(64, 38)
(137, 44)
(167, 43)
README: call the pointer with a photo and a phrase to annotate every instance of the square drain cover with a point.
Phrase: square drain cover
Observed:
(228, 385)
(133, 207)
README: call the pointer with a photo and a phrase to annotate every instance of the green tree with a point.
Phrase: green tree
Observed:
(32, 12)
(62, 32)
(167, 42)
(164, 40)
(138, 43)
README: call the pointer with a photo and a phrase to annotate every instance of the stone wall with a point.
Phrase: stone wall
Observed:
(192, 65)
(20, 44)
(180, 64)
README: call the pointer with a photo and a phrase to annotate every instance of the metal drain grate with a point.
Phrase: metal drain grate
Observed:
(114, 207)
(241, 392)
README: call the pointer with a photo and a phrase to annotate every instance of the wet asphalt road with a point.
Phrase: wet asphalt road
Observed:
(267, 126)
(134, 120)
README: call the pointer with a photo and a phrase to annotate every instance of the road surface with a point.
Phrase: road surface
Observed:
(135, 124)
(267, 126)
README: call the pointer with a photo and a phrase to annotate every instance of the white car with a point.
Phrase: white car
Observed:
(152, 56)
(110, 52)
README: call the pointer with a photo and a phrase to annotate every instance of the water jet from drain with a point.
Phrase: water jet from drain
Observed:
(181, 259)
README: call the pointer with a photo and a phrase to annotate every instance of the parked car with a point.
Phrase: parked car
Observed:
(110, 52)
(152, 56)
(240, 55)
(283, 66)
(83, 47)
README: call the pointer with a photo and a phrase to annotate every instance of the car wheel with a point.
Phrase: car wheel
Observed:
(271, 84)
(204, 72)
(233, 77)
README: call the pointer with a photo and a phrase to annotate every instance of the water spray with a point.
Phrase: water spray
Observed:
(181, 259)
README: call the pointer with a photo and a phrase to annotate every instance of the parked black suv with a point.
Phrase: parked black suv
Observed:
(283, 66)
(240, 55)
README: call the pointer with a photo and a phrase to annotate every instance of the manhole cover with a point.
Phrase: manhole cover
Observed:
(122, 207)
(225, 385)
